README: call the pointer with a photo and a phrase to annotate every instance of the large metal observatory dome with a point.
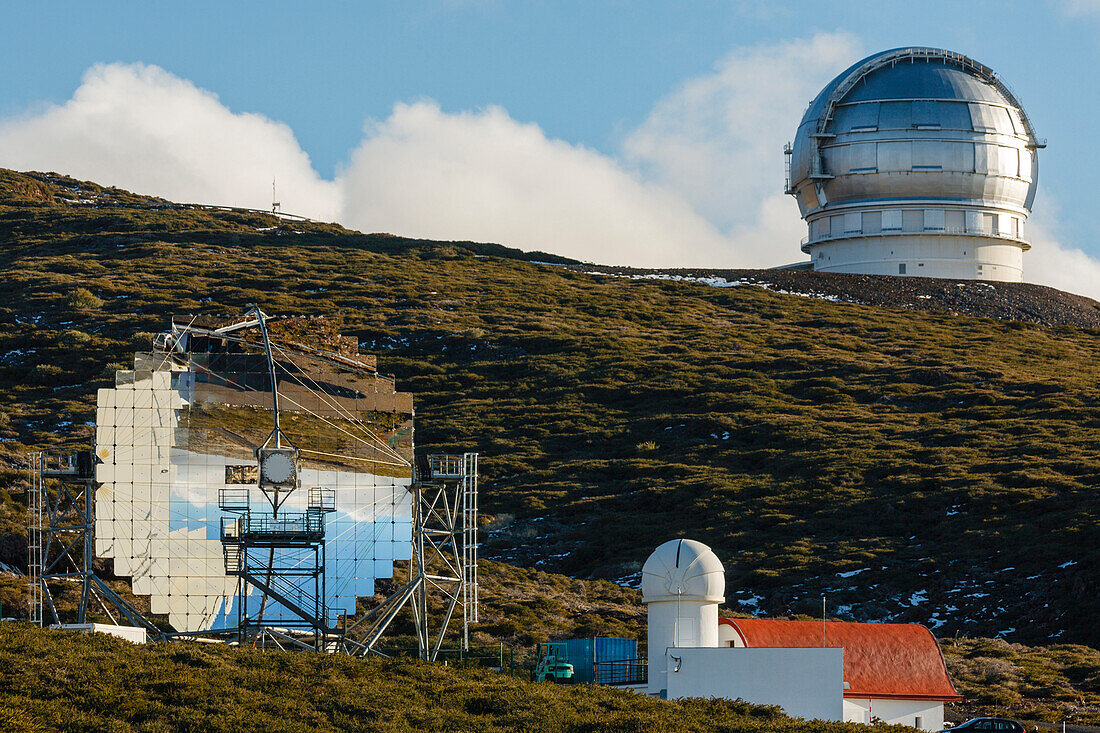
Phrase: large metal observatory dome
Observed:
(916, 161)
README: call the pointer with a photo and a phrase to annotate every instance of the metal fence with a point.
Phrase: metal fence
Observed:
(622, 672)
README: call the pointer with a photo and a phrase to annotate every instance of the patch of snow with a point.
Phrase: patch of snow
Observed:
(851, 573)
(1068, 564)
(844, 609)
(715, 281)
(753, 601)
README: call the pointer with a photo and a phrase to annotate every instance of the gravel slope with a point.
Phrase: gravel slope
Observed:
(1003, 301)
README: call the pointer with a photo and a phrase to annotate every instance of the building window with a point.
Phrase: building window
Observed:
(934, 220)
(901, 269)
(891, 220)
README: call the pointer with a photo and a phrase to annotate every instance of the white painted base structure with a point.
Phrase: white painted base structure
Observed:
(806, 683)
(684, 625)
(923, 714)
(922, 255)
(135, 634)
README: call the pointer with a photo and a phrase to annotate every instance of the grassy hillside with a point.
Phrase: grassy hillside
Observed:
(1059, 682)
(912, 466)
(54, 681)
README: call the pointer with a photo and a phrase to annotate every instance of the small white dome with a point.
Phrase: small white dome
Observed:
(683, 569)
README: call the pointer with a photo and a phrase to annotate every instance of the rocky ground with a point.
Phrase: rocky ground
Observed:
(1004, 301)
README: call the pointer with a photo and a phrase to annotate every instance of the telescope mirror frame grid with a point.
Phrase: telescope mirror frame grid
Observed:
(211, 386)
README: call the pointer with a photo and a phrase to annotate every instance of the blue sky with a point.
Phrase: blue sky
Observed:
(592, 76)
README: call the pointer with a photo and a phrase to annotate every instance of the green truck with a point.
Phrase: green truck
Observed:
(553, 664)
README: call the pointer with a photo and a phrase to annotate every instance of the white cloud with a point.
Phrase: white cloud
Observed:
(1050, 263)
(141, 128)
(699, 182)
(484, 176)
(718, 140)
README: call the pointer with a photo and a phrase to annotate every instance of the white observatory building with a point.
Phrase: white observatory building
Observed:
(916, 161)
(683, 582)
(828, 670)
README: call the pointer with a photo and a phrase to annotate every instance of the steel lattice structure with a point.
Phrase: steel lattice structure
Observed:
(251, 534)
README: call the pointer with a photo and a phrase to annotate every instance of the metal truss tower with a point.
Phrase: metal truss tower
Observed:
(283, 556)
(61, 509)
(444, 558)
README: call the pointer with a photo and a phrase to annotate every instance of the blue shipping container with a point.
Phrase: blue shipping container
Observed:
(602, 659)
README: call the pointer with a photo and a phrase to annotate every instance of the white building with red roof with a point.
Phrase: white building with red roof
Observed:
(829, 670)
(892, 672)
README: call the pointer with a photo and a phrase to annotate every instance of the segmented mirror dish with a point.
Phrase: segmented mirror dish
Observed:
(176, 439)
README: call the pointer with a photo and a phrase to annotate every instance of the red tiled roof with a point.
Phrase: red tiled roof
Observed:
(901, 661)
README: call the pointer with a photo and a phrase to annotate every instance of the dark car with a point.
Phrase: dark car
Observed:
(990, 724)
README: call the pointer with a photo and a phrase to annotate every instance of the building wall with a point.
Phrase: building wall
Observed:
(944, 256)
(806, 683)
(682, 624)
(901, 712)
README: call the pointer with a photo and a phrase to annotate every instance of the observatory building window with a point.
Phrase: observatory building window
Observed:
(872, 222)
(927, 155)
(974, 221)
(895, 115)
(859, 117)
(862, 158)
(853, 223)
(958, 157)
(895, 156)
(997, 159)
(926, 115)
(891, 220)
(953, 115)
(901, 269)
(933, 220)
(988, 118)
